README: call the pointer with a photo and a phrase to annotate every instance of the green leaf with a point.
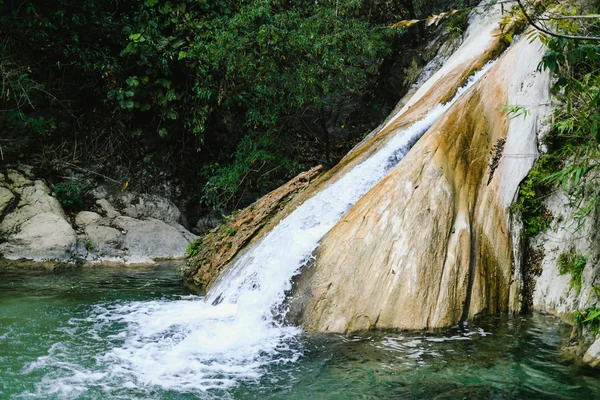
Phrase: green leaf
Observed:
(592, 316)
(132, 81)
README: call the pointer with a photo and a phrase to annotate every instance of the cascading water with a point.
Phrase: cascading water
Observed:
(232, 335)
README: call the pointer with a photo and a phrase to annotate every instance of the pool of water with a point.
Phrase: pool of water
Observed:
(69, 335)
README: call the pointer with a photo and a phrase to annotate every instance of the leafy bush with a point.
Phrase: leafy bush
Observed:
(573, 151)
(259, 161)
(174, 66)
(576, 136)
(70, 193)
(589, 318)
(89, 246)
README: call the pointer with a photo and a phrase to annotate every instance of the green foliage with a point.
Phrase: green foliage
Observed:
(173, 66)
(16, 90)
(572, 263)
(195, 247)
(573, 151)
(237, 85)
(89, 246)
(575, 137)
(70, 193)
(515, 111)
(230, 231)
(260, 159)
(536, 218)
(589, 318)
(458, 22)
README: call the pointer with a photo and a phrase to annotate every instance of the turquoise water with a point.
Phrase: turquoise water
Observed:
(59, 332)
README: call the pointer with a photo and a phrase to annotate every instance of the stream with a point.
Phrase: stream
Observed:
(78, 333)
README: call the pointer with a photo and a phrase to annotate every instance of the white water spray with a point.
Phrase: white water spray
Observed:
(193, 345)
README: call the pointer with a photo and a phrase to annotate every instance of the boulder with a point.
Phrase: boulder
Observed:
(6, 197)
(153, 238)
(105, 241)
(85, 218)
(592, 355)
(33, 226)
(36, 228)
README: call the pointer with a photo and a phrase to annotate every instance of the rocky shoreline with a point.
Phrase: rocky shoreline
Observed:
(121, 228)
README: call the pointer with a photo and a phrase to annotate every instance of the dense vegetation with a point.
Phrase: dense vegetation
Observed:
(572, 159)
(238, 95)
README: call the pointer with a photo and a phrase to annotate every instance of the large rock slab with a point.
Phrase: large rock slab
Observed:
(592, 355)
(153, 238)
(431, 244)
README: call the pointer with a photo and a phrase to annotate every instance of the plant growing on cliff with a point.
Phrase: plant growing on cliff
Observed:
(195, 247)
(572, 160)
(259, 161)
(536, 217)
(576, 136)
(572, 263)
(588, 317)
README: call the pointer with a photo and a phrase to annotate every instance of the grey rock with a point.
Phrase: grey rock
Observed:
(106, 240)
(150, 206)
(44, 236)
(153, 238)
(37, 229)
(6, 197)
(592, 355)
(107, 208)
(85, 218)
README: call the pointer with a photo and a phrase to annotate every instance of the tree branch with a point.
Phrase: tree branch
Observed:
(547, 31)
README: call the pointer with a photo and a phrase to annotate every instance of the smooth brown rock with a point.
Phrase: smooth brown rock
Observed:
(430, 245)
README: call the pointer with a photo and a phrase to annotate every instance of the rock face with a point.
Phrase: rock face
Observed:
(592, 355)
(553, 292)
(123, 229)
(33, 224)
(431, 244)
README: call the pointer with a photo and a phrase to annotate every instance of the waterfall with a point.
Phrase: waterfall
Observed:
(238, 329)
